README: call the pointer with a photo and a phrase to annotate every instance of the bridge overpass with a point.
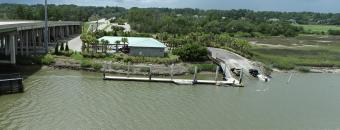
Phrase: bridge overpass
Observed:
(26, 38)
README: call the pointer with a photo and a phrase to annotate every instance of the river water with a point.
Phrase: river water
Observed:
(62, 99)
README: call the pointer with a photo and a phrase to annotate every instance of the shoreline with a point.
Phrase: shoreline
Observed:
(325, 70)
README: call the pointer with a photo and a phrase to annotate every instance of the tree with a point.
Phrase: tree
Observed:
(104, 45)
(124, 40)
(56, 49)
(62, 46)
(192, 52)
(66, 48)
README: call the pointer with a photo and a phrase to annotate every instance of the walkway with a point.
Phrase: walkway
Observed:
(75, 44)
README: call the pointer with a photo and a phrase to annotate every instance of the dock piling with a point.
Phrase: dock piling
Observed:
(172, 71)
(195, 75)
(216, 73)
(128, 71)
(150, 73)
(241, 76)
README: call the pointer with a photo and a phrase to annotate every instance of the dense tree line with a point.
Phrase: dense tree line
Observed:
(58, 12)
(73, 12)
(154, 20)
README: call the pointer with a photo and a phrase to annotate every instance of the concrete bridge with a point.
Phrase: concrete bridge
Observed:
(26, 38)
(228, 60)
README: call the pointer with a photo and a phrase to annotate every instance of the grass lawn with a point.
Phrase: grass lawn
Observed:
(311, 50)
(319, 28)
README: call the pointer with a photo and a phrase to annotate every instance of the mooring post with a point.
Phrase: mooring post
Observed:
(172, 71)
(105, 65)
(128, 71)
(195, 76)
(150, 72)
(216, 74)
(241, 76)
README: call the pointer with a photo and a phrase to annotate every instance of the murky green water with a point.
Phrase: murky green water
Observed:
(77, 100)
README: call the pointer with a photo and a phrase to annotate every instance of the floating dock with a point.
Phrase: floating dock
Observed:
(229, 82)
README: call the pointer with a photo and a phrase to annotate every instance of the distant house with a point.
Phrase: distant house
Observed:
(273, 20)
(140, 46)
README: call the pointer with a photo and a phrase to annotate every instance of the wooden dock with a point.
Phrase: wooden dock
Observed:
(11, 83)
(229, 82)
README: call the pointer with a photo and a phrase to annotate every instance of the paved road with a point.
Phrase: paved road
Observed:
(75, 44)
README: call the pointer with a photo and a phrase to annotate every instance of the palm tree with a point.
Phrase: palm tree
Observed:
(117, 43)
(106, 42)
(124, 40)
(102, 42)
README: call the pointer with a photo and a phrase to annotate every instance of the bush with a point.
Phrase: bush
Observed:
(303, 69)
(242, 34)
(77, 56)
(202, 67)
(192, 52)
(86, 64)
(140, 59)
(334, 32)
(97, 66)
(119, 67)
(284, 65)
(47, 59)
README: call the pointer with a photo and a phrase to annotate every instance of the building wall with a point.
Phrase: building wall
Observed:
(146, 51)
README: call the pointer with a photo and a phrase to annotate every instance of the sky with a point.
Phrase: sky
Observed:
(257, 5)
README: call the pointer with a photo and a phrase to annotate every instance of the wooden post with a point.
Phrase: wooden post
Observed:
(104, 69)
(150, 72)
(172, 71)
(128, 73)
(195, 75)
(216, 74)
(241, 76)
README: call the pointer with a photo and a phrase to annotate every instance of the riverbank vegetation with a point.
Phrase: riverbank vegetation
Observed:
(292, 53)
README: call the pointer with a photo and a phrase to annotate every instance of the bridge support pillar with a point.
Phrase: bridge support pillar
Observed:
(21, 37)
(26, 42)
(12, 42)
(1, 42)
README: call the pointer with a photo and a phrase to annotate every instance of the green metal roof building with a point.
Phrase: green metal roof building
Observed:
(140, 46)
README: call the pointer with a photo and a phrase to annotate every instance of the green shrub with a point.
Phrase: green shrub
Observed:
(119, 67)
(77, 56)
(202, 67)
(86, 64)
(242, 34)
(144, 69)
(97, 66)
(303, 69)
(334, 32)
(47, 59)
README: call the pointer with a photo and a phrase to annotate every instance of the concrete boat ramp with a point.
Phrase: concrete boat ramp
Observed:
(229, 82)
